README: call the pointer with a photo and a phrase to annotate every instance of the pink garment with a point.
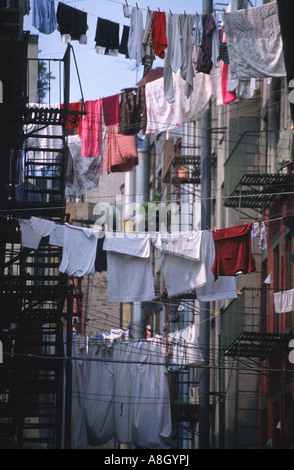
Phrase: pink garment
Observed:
(228, 96)
(91, 133)
(110, 106)
(121, 150)
(223, 95)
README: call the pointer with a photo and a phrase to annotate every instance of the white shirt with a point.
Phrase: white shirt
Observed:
(79, 251)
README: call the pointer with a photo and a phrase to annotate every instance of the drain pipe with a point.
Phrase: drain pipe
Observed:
(142, 171)
(204, 328)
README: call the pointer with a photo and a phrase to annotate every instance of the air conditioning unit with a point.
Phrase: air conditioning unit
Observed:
(194, 395)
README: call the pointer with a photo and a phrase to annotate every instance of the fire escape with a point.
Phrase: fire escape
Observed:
(36, 299)
(250, 186)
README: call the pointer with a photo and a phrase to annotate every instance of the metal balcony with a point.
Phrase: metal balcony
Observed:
(248, 182)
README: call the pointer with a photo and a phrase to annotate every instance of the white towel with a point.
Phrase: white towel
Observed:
(284, 301)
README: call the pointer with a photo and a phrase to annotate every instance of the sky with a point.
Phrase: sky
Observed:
(101, 75)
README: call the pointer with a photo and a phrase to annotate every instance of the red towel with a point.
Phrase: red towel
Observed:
(110, 106)
(160, 39)
(91, 134)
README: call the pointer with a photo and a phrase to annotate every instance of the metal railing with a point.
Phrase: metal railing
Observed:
(242, 314)
(249, 156)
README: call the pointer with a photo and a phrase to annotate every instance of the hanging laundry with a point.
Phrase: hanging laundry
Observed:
(86, 171)
(99, 397)
(255, 230)
(130, 277)
(284, 301)
(123, 45)
(79, 439)
(75, 117)
(198, 30)
(72, 23)
(126, 11)
(221, 289)
(44, 16)
(91, 132)
(262, 239)
(163, 116)
(184, 244)
(223, 95)
(110, 106)
(268, 279)
(33, 230)
(216, 43)
(223, 47)
(79, 251)
(133, 118)
(152, 412)
(16, 166)
(136, 35)
(174, 56)
(56, 237)
(148, 43)
(187, 70)
(121, 151)
(233, 251)
(124, 357)
(183, 275)
(183, 348)
(254, 42)
(204, 62)
(101, 257)
(107, 37)
(159, 34)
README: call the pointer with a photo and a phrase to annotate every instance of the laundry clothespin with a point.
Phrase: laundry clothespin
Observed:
(126, 3)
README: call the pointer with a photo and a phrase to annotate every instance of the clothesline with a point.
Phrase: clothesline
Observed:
(33, 209)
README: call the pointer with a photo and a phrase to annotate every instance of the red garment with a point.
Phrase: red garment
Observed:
(74, 118)
(91, 134)
(228, 96)
(121, 151)
(233, 251)
(110, 106)
(159, 37)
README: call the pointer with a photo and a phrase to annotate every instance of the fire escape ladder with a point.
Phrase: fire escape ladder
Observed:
(248, 181)
(37, 299)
